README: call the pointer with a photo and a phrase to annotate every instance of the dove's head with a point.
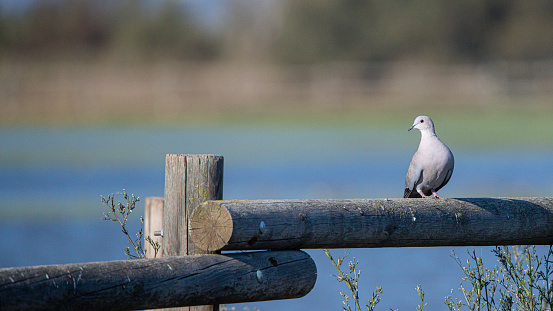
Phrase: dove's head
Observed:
(423, 123)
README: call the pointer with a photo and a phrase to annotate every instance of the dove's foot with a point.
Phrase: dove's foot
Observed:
(435, 195)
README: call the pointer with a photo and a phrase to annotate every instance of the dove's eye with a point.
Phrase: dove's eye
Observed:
(422, 121)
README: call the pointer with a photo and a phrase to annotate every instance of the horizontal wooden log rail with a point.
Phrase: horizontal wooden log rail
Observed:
(295, 224)
(159, 283)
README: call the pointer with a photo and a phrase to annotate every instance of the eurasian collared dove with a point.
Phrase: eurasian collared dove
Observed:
(432, 164)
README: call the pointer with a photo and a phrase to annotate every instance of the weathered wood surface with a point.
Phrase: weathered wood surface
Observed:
(295, 224)
(158, 283)
(189, 181)
(153, 221)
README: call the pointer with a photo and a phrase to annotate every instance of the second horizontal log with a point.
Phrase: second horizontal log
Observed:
(159, 283)
(295, 224)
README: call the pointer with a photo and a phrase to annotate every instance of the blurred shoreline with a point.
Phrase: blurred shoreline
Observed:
(166, 92)
(79, 62)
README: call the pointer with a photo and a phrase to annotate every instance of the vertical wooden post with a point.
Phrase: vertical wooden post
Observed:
(153, 222)
(189, 181)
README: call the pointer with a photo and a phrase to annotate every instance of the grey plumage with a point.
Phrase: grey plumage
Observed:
(432, 164)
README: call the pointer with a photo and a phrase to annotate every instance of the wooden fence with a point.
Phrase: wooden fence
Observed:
(194, 225)
(295, 224)
(157, 283)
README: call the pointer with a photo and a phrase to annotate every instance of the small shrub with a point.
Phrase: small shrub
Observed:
(120, 212)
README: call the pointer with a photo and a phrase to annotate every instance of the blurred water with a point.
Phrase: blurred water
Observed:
(51, 181)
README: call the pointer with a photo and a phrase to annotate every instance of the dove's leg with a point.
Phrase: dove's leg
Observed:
(422, 194)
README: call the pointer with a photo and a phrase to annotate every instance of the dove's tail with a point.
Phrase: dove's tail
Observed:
(411, 193)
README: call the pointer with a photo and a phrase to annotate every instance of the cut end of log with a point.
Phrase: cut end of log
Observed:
(210, 226)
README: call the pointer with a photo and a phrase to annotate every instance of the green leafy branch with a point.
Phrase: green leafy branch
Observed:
(351, 279)
(523, 281)
(120, 213)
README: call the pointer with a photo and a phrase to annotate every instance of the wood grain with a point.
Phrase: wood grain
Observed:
(210, 226)
(153, 221)
(305, 224)
(174, 211)
(189, 181)
(158, 283)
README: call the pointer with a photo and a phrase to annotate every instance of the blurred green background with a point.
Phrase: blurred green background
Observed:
(313, 62)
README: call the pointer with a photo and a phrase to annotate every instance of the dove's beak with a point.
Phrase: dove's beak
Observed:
(412, 127)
